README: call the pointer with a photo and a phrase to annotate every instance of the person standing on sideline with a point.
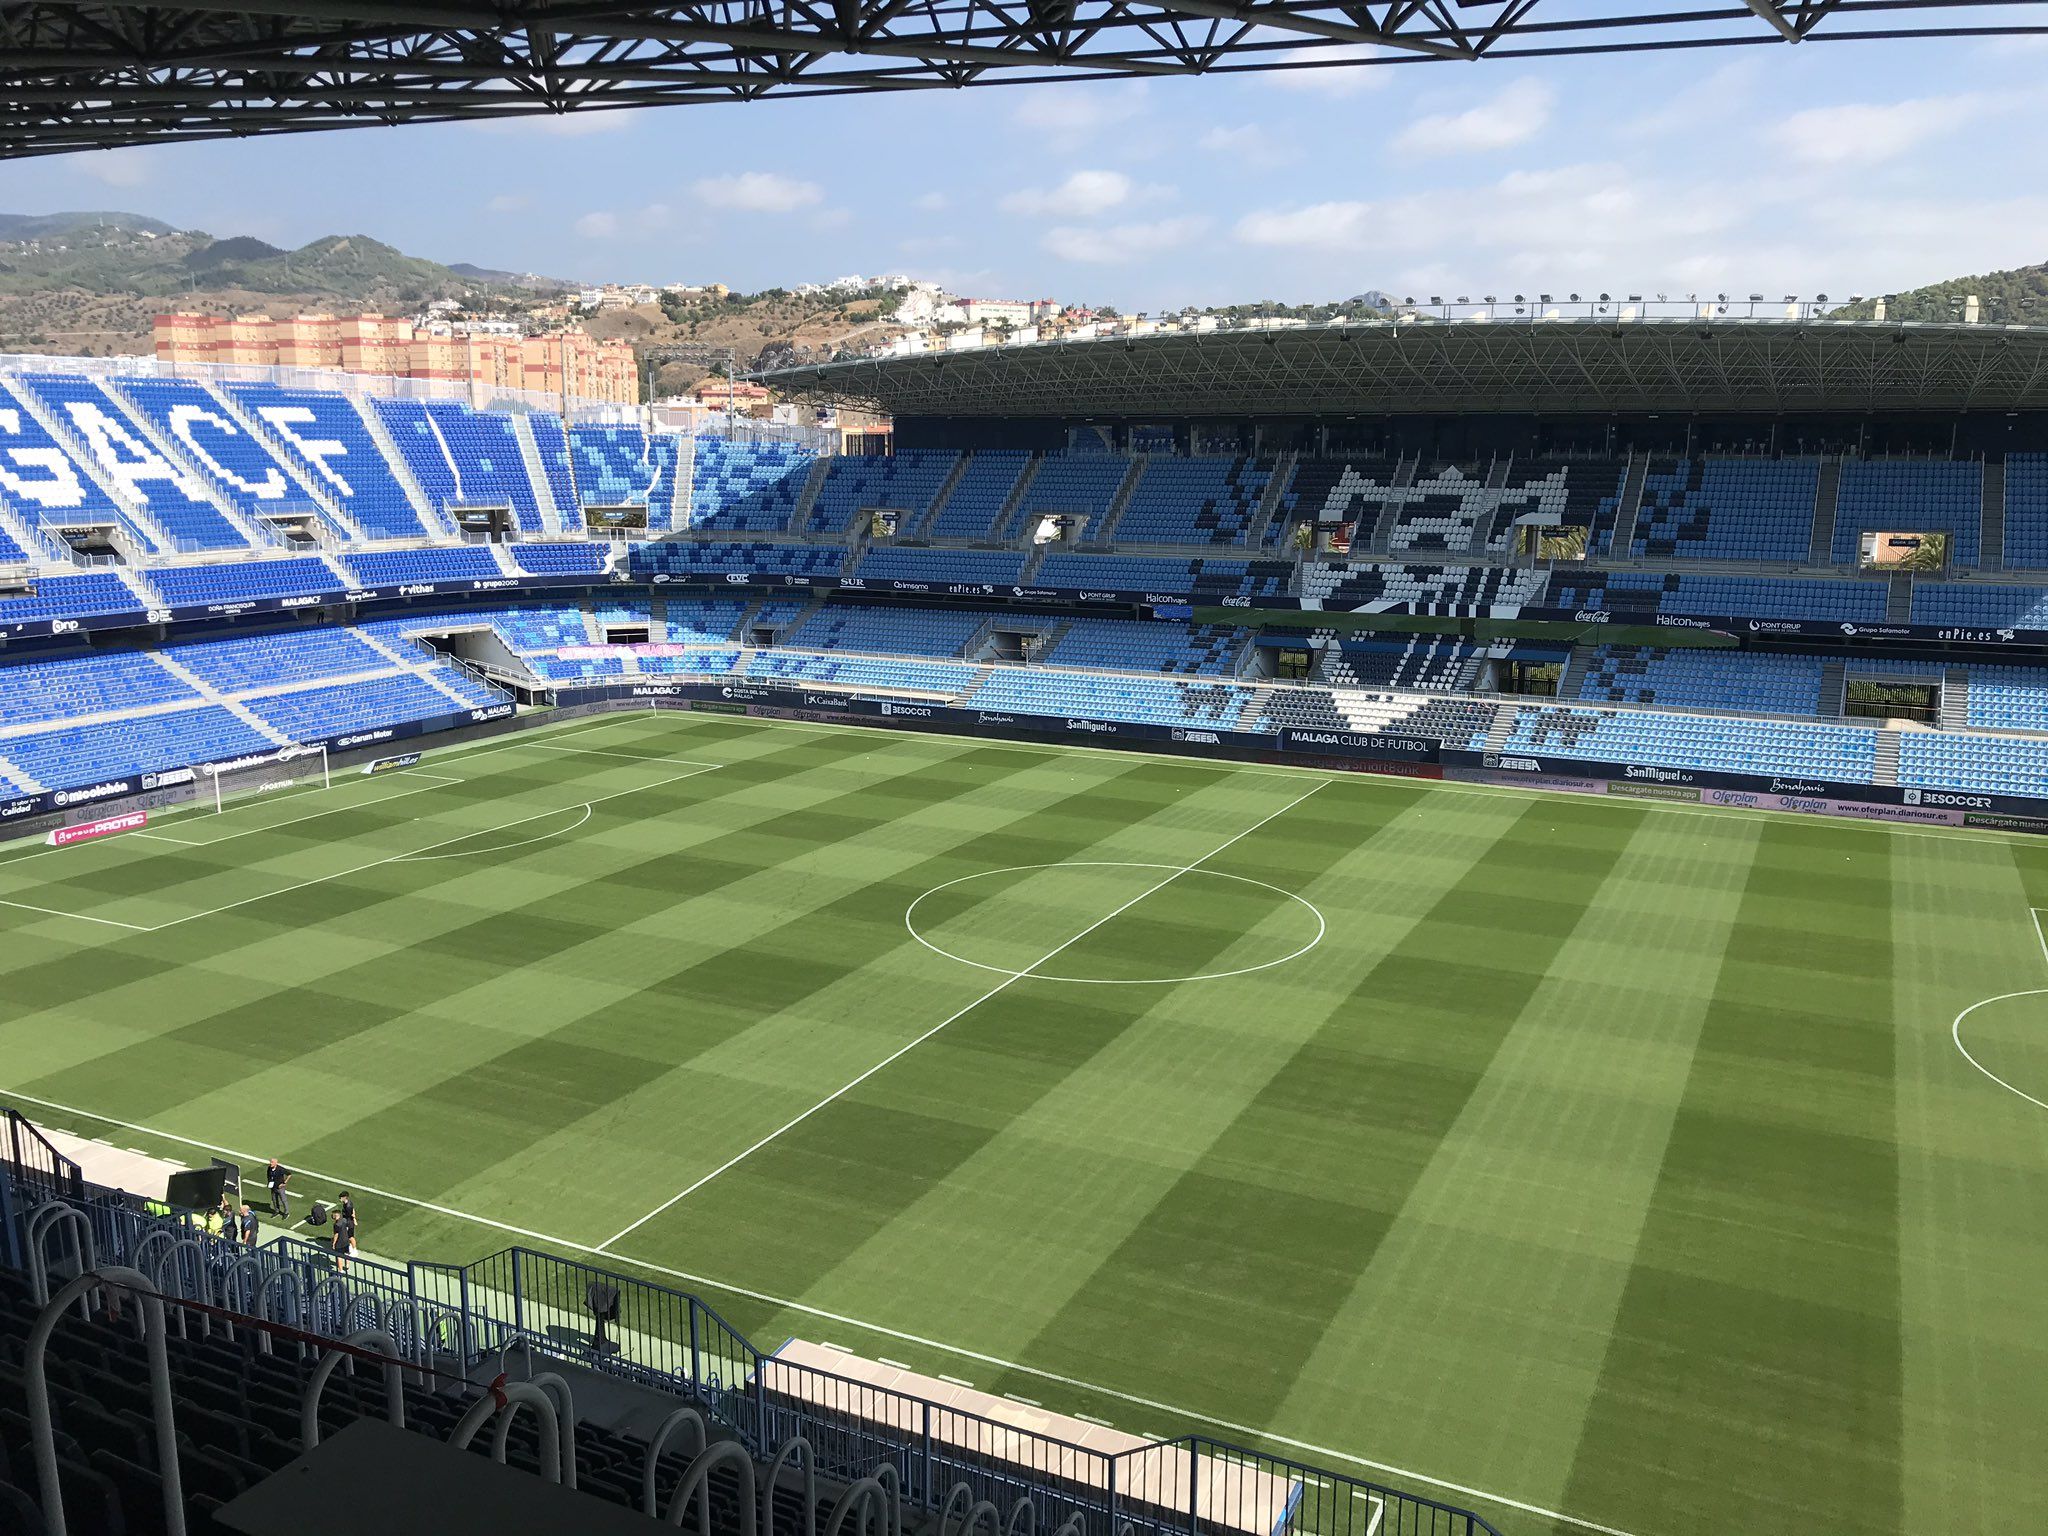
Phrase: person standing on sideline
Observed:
(248, 1224)
(280, 1198)
(344, 1241)
(345, 1210)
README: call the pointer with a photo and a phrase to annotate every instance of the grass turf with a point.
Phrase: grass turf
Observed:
(1609, 1158)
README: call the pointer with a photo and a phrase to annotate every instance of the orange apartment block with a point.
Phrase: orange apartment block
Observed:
(392, 346)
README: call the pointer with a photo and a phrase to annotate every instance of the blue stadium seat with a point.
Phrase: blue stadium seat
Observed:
(336, 454)
(1910, 496)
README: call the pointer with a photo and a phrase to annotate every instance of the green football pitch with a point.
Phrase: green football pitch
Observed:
(1607, 1167)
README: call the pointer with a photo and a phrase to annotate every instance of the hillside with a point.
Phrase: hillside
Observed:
(2021, 294)
(90, 282)
(766, 329)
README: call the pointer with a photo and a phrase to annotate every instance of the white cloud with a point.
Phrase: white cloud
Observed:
(1516, 115)
(759, 192)
(1069, 115)
(1080, 195)
(826, 219)
(116, 167)
(1249, 140)
(598, 226)
(1864, 131)
(929, 202)
(1336, 70)
(508, 202)
(1119, 243)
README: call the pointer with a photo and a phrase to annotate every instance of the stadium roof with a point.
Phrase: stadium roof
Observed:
(80, 74)
(1394, 367)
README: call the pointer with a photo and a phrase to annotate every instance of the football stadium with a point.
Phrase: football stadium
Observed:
(1410, 927)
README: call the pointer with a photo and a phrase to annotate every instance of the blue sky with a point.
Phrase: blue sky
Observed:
(1839, 168)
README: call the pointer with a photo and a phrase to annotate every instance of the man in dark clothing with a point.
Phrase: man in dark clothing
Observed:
(280, 1201)
(248, 1225)
(344, 1241)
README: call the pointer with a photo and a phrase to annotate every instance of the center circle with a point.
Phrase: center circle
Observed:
(2007, 1045)
(926, 918)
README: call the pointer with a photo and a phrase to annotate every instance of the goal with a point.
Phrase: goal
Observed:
(243, 778)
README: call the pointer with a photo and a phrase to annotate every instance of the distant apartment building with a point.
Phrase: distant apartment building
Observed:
(1012, 312)
(570, 361)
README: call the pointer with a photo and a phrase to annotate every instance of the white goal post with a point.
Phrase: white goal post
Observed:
(244, 777)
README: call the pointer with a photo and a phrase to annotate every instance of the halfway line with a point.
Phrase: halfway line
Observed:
(903, 1050)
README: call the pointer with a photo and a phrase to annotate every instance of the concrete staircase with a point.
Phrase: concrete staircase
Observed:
(432, 518)
(213, 695)
(29, 534)
(807, 498)
(1502, 728)
(1497, 473)
(1991, 531)
(943, 495)
(1576, 661)
(1955, 698)
(1820, 548)
(1886, 770)
(1247, 717)
(1630, 509)
(137, 583)
(1380, 539)
(1834, 690)
(1033, 564)
(975, 684)
(14, 775)
(503, 556)
(1898, 598)
(1120, 503)
(1016, 497)
(552, 515)
(1269, 504)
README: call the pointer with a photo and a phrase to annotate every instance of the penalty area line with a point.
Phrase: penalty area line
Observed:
(880, 1330)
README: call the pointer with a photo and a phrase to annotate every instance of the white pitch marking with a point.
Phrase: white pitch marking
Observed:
(631, 757)
(158, 837)
(111, 922)
(429, 858)
(1009, 980)
(2039, 932)
(880, 1330)
(1955, 1032)
(1322, 926)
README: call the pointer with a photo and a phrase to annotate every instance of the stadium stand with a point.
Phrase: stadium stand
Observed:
(242, 580)
(1841, 753)
(1194, 501)
(905, 632)
(815, 560)
(886, 674)
(199, 427)
(906, 483)
(1981, 764)
(46, 483)
(79, 755)
(1001, 568)
(561, 559)
(397, 567)
(2008, 699)
(87, 685)
(1335, 492)
(1910, 496)
(69, 597)
(1080, 486)
(1426, 663)
(337, 454)
(984, 485)
(742, 487)
(614, 466)
(1746, 683)
(1728, 509)
(2026, 510)
(1420, 588)
(551, 444)
(1638, 592)
(1201, 650)
(1980, 606)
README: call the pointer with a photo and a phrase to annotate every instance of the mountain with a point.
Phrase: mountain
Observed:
(477, 274)
(2020, 294)
(91, 281)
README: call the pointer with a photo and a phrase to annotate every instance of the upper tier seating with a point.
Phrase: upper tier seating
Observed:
(702, 621)
(906, 483)
(35, 692)
(239, 468)
(1332, 492)
(170, 498)
(742, 487)
(983, 487)
(182, 585)
(1451, 510)
(1747, 682)
(337, 455)
(1139, 645)
(1626, 593)
(943, 567)
(614, 466)
(397, 567)
(1194, 501)
(1425, 663)
(888, 674)
(307, 714)
(1841, 753)
(1728, 509)
(43, 482)
(1910, 496)
(463, 458)
(1080, 487)
(541, 629)
(2026, 510)
(1424, 588)
(12, 550)
(552, 446)
(1980, 607)
(2009, 699)
(897, 631)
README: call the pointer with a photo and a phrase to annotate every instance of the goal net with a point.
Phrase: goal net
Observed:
(243, 778)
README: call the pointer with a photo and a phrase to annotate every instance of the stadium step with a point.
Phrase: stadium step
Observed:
(213, 695)
(657, 620)
(1033, 563)
(943, 495)
(1017, 494)
(1120, 503)
(1269, 504)
(14, 775)
(306, 480)
(1898, 598)
(138, 515)
(1624, 536)
(1820, 548)
(552, 516)
(1955, 698)
(1834, 684)
(1886, 766)
(814, 482)
(1379, 538)
(32, 539)
(1577, 662)
(138, 583)
(1502, 728)
(1991, 530)
(1497, 475)
(974, 685)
